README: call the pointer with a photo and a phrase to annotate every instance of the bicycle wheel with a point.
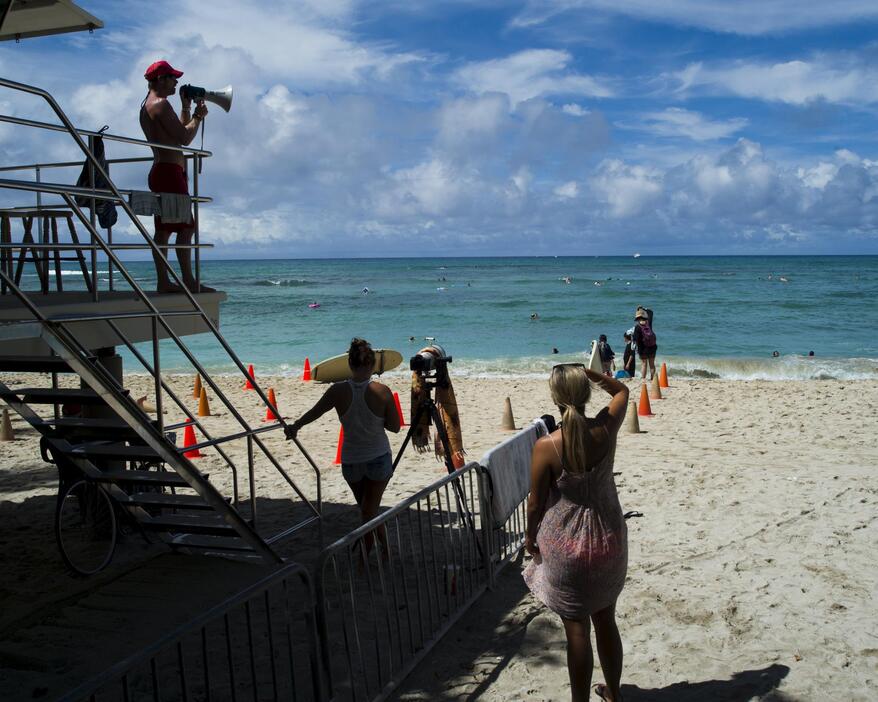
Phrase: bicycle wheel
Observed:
(85, 527)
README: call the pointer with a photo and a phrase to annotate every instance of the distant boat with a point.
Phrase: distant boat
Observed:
(637, 255)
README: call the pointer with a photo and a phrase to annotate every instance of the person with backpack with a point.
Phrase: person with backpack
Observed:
(644, 339)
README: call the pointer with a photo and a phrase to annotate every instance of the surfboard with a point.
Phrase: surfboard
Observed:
(594, 360)
(336, 368)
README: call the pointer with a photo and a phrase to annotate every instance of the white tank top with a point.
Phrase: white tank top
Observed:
(364, 435)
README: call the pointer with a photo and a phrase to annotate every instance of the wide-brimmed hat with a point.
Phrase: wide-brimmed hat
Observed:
(641, 314)
(161, 68)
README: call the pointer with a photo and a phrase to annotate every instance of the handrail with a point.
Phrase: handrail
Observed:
(95, 247)
(114, 195)
(67, 192)
(87, 132)
(74, 164)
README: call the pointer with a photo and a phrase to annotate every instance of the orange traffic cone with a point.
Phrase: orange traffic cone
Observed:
(306, 371)
(399, 410)
(189, 440)
(203, 405)
(250, 378)
(644, 409)
(663, 376)
(270, 415)
(337, 461)
(196, 388)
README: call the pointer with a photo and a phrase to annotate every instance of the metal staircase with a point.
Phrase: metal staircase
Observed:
(117, 465)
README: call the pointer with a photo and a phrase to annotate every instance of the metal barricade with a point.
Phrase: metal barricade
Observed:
(375, 615)
(259, 645)
(381, 614)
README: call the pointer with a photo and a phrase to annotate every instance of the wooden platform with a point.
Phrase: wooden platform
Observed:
(91, 329)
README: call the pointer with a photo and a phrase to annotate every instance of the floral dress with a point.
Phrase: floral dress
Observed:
(583, 542)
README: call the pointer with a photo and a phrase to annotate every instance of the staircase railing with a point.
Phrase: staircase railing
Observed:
(59, 334)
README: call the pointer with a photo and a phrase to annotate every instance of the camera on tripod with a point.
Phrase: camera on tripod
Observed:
(430, 359)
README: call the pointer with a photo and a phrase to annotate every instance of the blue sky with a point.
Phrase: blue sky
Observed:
(481, 127)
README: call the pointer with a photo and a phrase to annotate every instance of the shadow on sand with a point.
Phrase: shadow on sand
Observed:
(746, 685)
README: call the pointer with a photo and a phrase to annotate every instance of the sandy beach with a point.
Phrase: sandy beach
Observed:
(751, 575)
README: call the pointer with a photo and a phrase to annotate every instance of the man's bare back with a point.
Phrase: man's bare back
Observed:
(153, 121)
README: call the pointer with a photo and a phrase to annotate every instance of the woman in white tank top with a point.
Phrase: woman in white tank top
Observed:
(366, 409)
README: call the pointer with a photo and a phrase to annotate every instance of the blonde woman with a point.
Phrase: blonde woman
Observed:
(575, 527)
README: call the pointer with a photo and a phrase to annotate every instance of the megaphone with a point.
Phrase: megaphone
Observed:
(223, 97)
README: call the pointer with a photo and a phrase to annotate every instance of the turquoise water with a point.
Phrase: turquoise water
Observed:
(714, 316)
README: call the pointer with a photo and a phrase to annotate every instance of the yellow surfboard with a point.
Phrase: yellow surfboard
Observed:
(336, 368)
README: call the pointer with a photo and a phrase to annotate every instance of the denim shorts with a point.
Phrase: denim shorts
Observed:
(378, 469)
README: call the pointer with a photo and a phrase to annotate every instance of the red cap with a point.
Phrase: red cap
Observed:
(161, 68)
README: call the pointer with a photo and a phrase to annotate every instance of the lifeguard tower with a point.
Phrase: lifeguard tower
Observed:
(68, 303)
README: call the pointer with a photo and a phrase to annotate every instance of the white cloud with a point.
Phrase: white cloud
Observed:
(679, 122)
(469, 122)
(568, 190)
(573, 109)
(529, 74)
(748, 17)
(835, 80)
(627, 190)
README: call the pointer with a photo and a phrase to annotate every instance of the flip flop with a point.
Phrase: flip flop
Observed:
(599, 690)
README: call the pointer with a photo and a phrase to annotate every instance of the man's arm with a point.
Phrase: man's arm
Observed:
(182, 134)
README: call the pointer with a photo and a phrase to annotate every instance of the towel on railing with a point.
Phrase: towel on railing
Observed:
(508, 466)
(143, 202)
(176, 208)
(173, 208)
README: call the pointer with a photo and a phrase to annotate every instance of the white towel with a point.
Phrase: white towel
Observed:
(508, 465)
(144, 202)
(176, 208)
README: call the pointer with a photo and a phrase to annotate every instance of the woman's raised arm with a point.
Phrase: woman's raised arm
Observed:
(619, 403)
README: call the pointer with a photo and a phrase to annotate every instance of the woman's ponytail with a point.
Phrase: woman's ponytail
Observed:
(570, 390)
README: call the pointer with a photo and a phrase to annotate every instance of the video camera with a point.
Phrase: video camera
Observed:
(429, 360)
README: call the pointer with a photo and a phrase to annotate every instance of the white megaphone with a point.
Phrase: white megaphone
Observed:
(223, 97)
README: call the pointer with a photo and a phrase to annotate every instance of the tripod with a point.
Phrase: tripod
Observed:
(428, 406)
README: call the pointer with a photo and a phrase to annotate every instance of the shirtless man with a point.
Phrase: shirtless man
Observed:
(161, 125)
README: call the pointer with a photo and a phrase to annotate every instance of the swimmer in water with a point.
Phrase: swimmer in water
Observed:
(534, 316)
(775, 354)
(365, 291)
(554, 350)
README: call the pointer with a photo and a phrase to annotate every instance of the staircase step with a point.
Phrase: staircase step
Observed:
(34, 364)
(211, 543)
(158, 499)
(148, 477)
(51, 396)
(122, 452)
(65, 426)
(209, 524)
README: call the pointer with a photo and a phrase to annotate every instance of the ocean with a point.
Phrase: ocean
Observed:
(714, 316)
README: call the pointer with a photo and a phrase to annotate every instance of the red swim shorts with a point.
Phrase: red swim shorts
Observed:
(169, 178)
